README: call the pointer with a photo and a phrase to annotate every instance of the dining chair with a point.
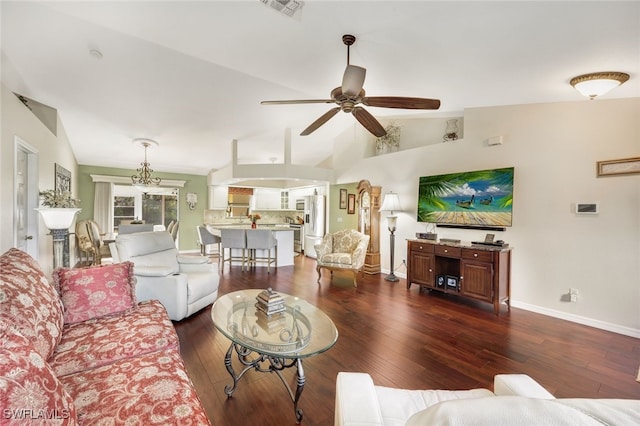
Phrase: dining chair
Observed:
(92, 249)
(174, 230)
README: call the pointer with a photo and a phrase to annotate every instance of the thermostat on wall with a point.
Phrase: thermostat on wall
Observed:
(587, 208)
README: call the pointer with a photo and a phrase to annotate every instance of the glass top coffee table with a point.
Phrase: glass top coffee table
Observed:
(269, 341)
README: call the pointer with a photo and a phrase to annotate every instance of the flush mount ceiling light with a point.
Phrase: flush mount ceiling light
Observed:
(143, 180)
(598, 83)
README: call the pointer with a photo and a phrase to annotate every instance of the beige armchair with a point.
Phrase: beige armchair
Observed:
(343, 250)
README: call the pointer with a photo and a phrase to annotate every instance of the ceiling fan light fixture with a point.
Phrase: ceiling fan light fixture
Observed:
(351, 94)
(598, 83)
(353, 79)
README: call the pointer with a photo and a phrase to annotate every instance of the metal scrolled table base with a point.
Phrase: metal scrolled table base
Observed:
(275, 365)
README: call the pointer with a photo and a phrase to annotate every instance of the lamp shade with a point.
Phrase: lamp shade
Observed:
(390, 203)
(57, 218)
(353, 80)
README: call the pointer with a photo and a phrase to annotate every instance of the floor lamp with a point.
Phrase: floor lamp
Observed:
(391, 203)
(58, 221)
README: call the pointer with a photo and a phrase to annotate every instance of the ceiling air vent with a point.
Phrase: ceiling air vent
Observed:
(286, 7)
(47, 115)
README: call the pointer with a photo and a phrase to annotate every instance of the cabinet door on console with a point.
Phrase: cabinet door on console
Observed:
(421, 265)
(476, 279)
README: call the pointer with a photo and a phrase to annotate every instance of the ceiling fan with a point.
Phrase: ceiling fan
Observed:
(351, 94)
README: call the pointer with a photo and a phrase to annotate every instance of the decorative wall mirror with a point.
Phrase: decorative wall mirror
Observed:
(368, 204)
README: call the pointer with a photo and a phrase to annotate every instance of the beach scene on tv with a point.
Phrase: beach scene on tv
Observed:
(476, 198)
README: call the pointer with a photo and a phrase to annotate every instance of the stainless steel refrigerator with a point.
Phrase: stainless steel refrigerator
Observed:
(314, 222)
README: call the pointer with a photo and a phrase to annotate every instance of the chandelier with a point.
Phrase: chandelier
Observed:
(143, 180)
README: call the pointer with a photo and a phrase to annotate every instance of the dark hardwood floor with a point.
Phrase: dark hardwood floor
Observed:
(407, 339)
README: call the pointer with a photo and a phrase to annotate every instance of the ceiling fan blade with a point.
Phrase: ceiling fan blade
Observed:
(320, 121)
(299, 101)
(401, 102)
(353, 80)
(368, 121)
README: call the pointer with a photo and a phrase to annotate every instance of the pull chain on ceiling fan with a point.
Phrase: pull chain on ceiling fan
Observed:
(350, 94)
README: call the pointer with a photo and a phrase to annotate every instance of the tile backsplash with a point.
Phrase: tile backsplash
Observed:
(267, 216)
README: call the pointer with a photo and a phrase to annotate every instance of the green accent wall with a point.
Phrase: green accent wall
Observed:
(339, 218)
(189, 219)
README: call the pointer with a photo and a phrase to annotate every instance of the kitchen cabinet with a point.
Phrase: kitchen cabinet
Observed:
(294, 195)
(299, 193)
(218, 197)
(266, 199)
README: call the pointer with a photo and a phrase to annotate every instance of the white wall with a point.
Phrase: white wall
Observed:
(17, 120)
(554, 149)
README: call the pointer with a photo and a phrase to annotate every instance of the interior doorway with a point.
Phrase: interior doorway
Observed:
(25, 219)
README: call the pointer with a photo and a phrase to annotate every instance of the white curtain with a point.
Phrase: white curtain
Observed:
(103, 206)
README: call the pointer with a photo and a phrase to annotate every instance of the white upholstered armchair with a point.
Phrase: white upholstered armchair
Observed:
(183, 284)
(343, 250)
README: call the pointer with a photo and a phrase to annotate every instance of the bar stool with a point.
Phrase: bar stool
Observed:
(206, 238)
(262, 239)
(233, 239)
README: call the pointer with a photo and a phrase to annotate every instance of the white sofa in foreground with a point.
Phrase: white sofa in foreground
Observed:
(517, 399)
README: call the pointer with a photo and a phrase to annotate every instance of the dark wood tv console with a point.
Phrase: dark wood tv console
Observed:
(468, 270)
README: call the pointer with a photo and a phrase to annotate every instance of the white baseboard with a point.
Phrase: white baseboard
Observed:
(627, 331)
(615, 328)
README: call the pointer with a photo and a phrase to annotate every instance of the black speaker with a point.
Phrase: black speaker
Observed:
(426, 236)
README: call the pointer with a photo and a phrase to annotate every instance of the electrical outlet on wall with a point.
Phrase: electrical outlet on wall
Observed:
(573, 294)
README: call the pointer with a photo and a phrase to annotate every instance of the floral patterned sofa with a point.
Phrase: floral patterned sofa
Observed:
(81, 350)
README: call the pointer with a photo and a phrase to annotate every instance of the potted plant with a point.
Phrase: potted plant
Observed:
(58, 208)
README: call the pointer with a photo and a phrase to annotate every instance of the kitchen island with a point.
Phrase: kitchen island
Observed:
(282, 233)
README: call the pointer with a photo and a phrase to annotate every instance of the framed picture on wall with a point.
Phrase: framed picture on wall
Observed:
(343, 198)
(625, 166)
(62, 179)
(351, 205)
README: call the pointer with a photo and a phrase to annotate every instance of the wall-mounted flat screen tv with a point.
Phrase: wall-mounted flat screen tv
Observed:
(477, 199)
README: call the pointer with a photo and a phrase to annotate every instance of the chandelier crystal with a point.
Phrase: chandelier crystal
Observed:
(143, 180)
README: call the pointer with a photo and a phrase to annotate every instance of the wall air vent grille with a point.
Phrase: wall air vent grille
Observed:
(286, 7)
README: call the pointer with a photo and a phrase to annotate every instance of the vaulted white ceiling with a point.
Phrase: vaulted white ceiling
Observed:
(191, 74)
